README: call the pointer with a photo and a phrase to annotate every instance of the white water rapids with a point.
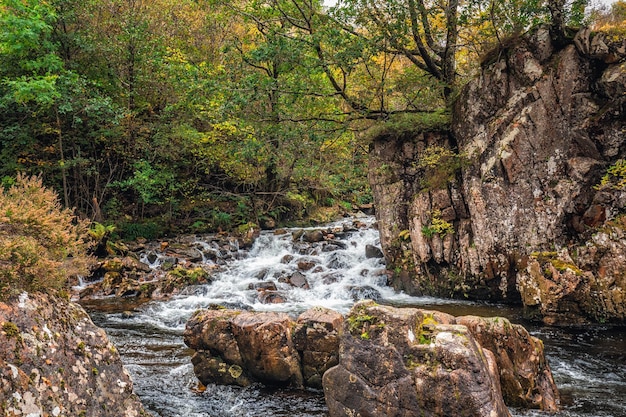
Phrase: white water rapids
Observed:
(150, 340)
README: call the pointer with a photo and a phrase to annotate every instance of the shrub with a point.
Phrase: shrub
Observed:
(438, 226)
(615, 177)
(41, 244)
(440, 166)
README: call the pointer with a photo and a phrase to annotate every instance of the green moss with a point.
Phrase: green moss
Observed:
(410, 123)
(235, 371)
(357, 321)
(425, 329)
(192, 276)
(10, 329)
(562, 266)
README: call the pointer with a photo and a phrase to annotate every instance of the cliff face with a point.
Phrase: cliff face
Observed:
(524, 217)
(55, 362)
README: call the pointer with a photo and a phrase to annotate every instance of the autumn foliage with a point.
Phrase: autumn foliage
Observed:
(41, 244)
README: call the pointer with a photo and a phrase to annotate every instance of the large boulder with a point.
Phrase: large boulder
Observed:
(55, 362)
(316, 338)
(238, 348)
(525, 376)
(409, 362)
(516, 207)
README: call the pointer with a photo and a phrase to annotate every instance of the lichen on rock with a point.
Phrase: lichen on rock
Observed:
(54, 361)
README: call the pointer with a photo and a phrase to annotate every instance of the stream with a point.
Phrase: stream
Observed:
(589, 365)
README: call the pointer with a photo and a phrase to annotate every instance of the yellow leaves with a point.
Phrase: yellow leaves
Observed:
(175, 56)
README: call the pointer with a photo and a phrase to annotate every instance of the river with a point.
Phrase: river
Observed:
(589, 365)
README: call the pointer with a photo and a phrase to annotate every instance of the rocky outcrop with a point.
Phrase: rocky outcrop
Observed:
(406, 361)
(524, 373)
(521, 202)
(380, 360)
(55, 362)
(238, 348)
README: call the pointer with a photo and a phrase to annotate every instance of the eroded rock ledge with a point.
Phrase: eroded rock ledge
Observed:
(55, 362)
(378, 359)
(524, 218)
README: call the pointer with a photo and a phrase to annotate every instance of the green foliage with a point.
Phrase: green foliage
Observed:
(41, 244)
(153, 185)
(140, 110)
(147, 230)
(99, 231)
(440, 166)
(615, 177)
(437, 226)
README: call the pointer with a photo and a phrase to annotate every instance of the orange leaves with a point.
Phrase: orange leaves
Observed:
(41, 244)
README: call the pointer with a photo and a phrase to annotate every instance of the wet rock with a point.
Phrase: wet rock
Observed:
(297, 235)
(304, 265)
(372, 251)
(299, 280)
(525, 375)
(263, 345)
(211, 330)
(332, 278)
(337, 261)
(265, 285)
(334, 245)
(316, 338)
(179, 251)
(168, 262)
(152, 257)
(402, 361)
(211, 254)
(364, 293)
(132, 264)
(408, 362)
(313, 236)
(286, 259)
(266, 347)
(367, 209)
(55, 361)
(270, 297)
(127, 314)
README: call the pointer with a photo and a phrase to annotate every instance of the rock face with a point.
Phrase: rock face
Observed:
(55, 362)
(411, 362)
(516, 207)
(238, 348)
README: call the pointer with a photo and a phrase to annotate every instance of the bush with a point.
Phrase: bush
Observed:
(41, 244)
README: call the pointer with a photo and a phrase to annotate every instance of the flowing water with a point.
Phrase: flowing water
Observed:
(589, 365)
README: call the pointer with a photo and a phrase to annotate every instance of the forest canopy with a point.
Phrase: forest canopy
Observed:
(213, 114)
